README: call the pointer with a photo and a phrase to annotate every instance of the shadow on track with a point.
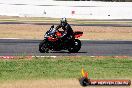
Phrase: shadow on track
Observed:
(65, 52)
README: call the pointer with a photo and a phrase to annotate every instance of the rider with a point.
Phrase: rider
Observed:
(68, 32)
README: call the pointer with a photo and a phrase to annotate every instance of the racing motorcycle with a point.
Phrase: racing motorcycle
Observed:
(52, 41)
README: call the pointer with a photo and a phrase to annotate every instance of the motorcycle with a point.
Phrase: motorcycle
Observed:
(53, 42)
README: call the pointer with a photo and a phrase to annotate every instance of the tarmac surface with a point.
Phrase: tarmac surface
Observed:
(20, 47)
(16, 47)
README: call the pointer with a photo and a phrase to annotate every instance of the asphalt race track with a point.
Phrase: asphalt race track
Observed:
(13, 47)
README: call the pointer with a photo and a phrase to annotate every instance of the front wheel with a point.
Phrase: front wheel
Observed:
(43, 47)
(76, 46)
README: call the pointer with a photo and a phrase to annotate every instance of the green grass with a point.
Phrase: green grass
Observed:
(65, 67)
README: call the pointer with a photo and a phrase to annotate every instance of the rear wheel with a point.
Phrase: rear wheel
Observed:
(75, 46)
(43, 47)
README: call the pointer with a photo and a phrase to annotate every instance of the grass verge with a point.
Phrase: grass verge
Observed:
(65, 67)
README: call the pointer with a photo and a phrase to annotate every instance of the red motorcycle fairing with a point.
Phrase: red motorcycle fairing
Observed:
(58, 34)
(52, 39)
(78, 34)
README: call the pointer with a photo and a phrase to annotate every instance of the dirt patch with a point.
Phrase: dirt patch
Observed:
(29, 31)
(24, 31)
(65, 83)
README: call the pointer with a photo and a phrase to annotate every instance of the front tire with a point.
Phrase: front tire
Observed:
(43, 47)
(76, 46)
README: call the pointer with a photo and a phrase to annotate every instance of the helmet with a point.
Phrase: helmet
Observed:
(63, 21)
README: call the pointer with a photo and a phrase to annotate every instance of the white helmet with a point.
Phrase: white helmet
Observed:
(63, 21)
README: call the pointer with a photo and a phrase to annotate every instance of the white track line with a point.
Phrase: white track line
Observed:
(10, 38)
(45, 56)
(7, 57)
(12, 57)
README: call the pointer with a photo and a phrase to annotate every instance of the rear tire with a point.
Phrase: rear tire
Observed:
(43, 47)
(76, 46)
